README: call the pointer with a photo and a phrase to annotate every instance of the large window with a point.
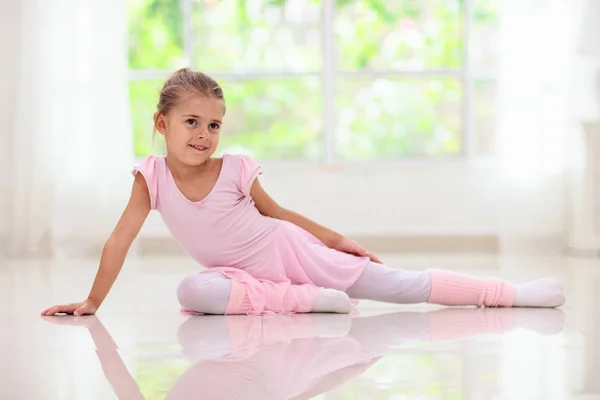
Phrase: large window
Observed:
(327, 80)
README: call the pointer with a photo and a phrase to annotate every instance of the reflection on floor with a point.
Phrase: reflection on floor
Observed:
(140, 347)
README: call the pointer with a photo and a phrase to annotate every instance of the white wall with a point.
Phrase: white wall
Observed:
(9, 50)
(420, 197)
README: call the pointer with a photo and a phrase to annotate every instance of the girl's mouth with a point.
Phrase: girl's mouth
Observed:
(198, 147)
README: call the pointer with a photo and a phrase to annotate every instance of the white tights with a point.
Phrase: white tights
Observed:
(209, 292)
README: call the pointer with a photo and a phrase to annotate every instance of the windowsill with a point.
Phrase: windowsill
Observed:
(423, 163)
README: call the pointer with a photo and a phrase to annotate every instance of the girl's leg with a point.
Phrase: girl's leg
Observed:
(206, 293)
(453, 288)
(381, 283)
(215, 293)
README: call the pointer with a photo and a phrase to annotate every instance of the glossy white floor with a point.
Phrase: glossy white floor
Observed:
(140, 347)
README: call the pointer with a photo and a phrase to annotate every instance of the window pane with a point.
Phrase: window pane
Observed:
(399, 34)
(155, 34)
(381, 118)
(143, 96)
(485, 110)
(274, 118)
(484, 47)
(257, 35)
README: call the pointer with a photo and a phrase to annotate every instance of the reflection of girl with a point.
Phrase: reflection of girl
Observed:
(301, 356)
(262, 258)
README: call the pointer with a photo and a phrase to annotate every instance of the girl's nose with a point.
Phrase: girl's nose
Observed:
(202, 133)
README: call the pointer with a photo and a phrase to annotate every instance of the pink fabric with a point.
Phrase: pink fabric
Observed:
(146, 168)
(257, 297)
(190, 312)
(226, 230)
(456, 289)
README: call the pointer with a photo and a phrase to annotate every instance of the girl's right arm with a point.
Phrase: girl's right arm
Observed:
(114, 252)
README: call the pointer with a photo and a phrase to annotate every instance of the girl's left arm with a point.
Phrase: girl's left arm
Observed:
(269, 207)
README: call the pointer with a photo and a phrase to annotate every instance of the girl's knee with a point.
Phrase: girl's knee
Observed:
(205, 293)
(187, 290)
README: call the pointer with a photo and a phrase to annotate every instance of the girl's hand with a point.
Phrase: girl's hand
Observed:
(348, 246)
(86, 307)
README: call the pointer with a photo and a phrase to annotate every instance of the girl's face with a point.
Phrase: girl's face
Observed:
(192, 129)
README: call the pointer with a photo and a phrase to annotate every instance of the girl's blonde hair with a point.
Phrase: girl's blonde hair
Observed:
(183, 83)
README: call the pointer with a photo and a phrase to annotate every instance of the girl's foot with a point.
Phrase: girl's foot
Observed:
(333, 301)
(545, 292)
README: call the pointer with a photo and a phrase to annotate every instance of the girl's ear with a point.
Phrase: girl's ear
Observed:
(160, 123)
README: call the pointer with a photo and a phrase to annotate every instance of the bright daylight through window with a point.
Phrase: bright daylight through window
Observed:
(327, 80)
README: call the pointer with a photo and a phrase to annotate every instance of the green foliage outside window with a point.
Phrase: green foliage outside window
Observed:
(384, 116)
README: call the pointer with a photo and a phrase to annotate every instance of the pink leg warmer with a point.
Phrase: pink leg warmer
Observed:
(456, 289)
(255, 297)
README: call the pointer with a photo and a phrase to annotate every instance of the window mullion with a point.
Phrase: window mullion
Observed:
(188, 30)
(467, 82)
(328, 79)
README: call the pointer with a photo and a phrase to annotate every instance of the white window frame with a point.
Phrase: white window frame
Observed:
(329, 75)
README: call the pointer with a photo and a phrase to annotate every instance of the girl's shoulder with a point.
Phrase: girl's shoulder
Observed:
(149, 163)
(239, 157)
(151, 160)
(151, 167)
(239, 161)
(243, 169)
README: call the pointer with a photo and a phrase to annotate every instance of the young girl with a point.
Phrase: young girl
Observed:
(260, 257)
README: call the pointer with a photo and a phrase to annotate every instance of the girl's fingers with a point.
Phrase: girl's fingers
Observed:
(52, 310)
(360, 253)
(68, 308)
(359, 250)
(49, 309)
(365, 253)
(374, 258)
(79, 311)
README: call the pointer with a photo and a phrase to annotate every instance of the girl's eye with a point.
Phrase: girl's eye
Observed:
(191, 122)
(214, 125)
